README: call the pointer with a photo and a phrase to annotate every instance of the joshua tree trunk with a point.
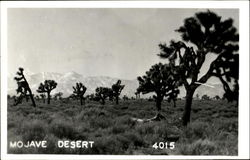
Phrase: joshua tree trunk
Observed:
(103, 101)
(31, 96)
(174, 101)
(48, 97)
(116, 100)
(81, 100)
(158, 104)
(188, 104)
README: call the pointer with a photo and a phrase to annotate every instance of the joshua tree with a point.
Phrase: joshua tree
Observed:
(163, 81)
(79, 91)
(23, 86)
(43, 97)
(58, 95)
(205, 97)
(103, 92)
(216, 97)
(47, 87)
(125, 98)
(204, 35)
(117, 89)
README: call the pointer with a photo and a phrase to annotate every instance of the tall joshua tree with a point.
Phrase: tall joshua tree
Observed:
(23, 86)
(163, 81)
(102, 93)
(117, 89)
(79, 91)
(205, 35)
(47, 87)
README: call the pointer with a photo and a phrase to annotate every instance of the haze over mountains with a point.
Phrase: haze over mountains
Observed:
(67, 80)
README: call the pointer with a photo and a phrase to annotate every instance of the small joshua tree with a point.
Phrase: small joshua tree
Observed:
(43, 97)
(58, 95)
(23, 86)
(47, 87)
(160, 79)
(205, 97)
(79, 91)
(216, 97)
(103, 92)
(117, 89)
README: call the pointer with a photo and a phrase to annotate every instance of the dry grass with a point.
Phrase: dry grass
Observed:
(213, 129)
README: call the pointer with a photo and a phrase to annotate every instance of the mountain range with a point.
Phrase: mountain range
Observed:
(67, 80)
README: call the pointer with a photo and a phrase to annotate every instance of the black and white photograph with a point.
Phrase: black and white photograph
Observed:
(123, 81)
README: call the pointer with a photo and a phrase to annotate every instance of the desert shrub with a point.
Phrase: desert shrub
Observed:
(116, 129)
(146, 128)
(51, 145)
(107, 145)
(62, 129)
(91, 112)
(126, 120)
(199, 147)
(226, 125)
(33, 130)
(196, 130)
(103, 122)
(163, 130)
(134, 138)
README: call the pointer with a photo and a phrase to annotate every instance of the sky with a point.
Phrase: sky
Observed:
(121, 43)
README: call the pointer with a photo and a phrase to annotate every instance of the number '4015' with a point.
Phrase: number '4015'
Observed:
(164, 145)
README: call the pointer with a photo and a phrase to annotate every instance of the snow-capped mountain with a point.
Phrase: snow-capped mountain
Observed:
(67, 80)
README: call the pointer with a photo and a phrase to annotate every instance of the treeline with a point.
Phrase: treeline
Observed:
(101, 93)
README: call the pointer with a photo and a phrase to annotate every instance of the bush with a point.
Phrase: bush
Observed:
(62, 129)
(33, 130)
(199, 147)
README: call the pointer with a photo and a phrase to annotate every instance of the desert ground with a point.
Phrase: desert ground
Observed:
(213, 129)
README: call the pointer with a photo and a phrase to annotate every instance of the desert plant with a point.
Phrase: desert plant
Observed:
(43, 97)
(23, 86)
(202, 35)
(216, 97)
(163, 81)
(79, 91)
(205, 97)
(102, 93)
(58, 95)
(117, 89)
(47, 87)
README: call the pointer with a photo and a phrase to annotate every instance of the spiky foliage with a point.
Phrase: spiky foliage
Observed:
(205, 34)
(79, 91)
(23, 87)
(47, 87)
(162, 80)
(102, 93)
(117, 89)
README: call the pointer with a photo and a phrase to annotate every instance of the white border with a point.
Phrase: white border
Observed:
(243, 6)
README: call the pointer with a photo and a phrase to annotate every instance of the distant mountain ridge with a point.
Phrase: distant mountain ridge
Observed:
(67, 80)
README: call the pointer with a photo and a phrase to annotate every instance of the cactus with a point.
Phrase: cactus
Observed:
(79, 91)
(47, 87)
(162, 80)
(23, 87)
(117, 89)
(102, 93)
